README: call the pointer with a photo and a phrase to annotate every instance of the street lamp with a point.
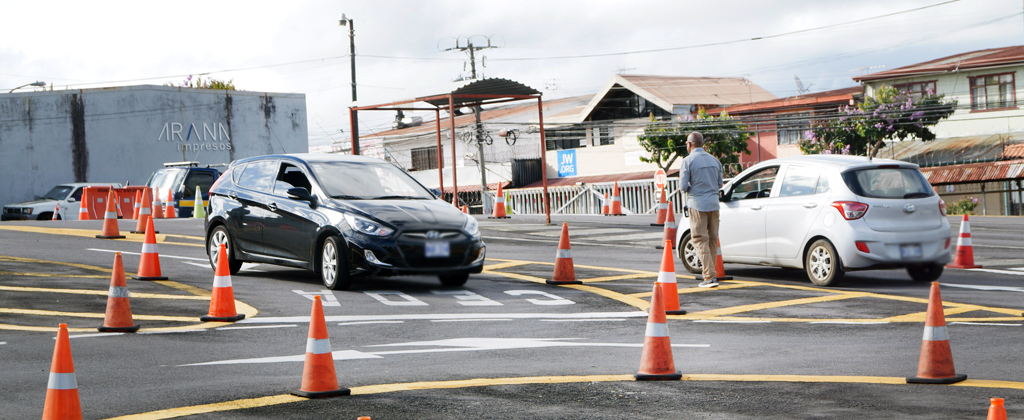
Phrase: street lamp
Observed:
(352, 55)
(44, 84)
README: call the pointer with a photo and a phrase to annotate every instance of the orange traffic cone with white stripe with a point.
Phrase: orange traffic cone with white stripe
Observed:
(158, 206)
(662, 210)
(149, 265)
(656, 361)
(499, 206)
(936, 363)
(145, 212)
(605, 205)
(83, 208)
(670, 229)
(616, 204)
(964, 257)
(319, 379)
(720, 264)
(996, 411)
(222, 303)
(138, 204)
(110, 229)
(62, 389)
(564, 271)
(465, 209)
(56, 212)
(118, 317)
(667, 282)
(169, 207)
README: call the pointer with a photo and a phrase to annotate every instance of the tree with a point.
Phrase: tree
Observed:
(888, 115)
(724, 138)
(210, 83)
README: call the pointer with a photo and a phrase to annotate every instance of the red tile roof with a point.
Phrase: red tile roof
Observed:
(832, 97)
(975, 172)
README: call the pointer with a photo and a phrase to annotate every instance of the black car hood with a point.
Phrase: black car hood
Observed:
(413, 214)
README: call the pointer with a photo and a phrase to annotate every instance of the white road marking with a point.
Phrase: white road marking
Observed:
(245, 266)
(170, 332)
(449, 345)
(406, 299)
(410, 317)
(585, 232)
(725, 321)
(327, 295)
(136, 253)
(257, 326)
(554, 299)
(94, 335)
(467, 298)
(986, 323)
(983, 287)
(553, 241)
(371, 322)
(582, 320)
(849, 323)
(990, 270)
(4, 342)
(470, 320)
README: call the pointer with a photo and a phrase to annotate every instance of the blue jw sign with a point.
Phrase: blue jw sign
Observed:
(566, 163)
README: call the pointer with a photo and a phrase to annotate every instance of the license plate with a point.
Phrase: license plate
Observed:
(910, 251)
(438, 249)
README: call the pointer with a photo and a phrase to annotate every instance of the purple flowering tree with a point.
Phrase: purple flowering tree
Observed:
(889, 115)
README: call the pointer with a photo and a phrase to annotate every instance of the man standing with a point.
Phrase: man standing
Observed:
(701, 178)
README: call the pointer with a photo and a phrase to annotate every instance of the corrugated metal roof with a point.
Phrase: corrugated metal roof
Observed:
(968, 60)
(472, 188)
(668, 91)
(429, 126)
(989, 147)
(829, 97)
(597, 179)
(493, 86)
(975, 172)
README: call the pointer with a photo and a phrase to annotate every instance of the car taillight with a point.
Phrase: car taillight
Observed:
(862, 247)
(942, 207)
(850, 210)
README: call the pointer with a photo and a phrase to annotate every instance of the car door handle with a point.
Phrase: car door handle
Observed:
(233, 195)
(811, 205)
(756, 207)
(272, 206)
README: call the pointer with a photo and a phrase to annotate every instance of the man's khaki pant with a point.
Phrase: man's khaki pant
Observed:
(704, 234)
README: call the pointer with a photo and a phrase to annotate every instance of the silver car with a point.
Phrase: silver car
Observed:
(829, 214)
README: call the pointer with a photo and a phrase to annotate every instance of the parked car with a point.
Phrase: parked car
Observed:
(341, 216)
(68, 195)
(182, 178)
(829, 214)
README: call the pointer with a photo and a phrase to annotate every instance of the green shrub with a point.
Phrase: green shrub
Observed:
(962, 206)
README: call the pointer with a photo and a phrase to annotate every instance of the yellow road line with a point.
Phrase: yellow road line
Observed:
(622, 277)
(95, 315)
(504, 265)
(80, 276)
(726, 285)
(732, 310)
(32, 260)
(134, 295)
(88, 233)
(250, 403)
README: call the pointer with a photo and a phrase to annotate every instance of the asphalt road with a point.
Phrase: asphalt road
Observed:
(767, 344)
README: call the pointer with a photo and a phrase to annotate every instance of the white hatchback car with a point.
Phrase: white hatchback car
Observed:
(828, 214)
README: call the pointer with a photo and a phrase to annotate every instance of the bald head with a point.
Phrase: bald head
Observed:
(696, 139)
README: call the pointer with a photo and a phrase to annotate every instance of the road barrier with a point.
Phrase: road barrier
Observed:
(636, 197)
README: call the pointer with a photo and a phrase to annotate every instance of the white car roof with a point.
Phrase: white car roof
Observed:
(839, 162)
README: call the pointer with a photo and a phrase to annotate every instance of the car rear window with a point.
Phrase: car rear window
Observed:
(888, 182)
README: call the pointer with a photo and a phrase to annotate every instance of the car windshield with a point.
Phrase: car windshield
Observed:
(368, 181)
(892, 182)
(165, 178)
(58, 192)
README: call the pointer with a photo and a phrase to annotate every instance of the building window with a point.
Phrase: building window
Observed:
(917, 89)
(564, 139)
(424, 158)
(993, 91)
(605, 136)
(793, 127)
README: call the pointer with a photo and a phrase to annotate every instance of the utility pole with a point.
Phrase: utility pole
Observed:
(354, 119)
(479, 127)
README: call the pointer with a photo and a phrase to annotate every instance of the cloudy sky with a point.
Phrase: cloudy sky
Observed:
(563, 48)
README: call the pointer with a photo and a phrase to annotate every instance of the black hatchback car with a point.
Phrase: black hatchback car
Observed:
(341, 216)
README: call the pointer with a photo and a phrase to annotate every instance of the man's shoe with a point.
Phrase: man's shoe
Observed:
(708, 283)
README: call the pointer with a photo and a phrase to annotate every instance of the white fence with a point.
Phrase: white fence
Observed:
(638, 197)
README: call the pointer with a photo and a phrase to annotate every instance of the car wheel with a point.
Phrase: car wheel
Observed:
(822, 264)
(688, 254)
(333, 266)
(927, 272)
(453, 280)
(47, 216)
(220, 236)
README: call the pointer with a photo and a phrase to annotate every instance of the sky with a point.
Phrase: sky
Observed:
(300, 47)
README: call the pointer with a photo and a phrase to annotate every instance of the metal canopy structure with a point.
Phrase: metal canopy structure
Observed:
(477, 93)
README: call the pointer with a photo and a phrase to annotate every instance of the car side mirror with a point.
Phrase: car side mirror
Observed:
(722, 196)
(302, 194)
(72, 200)
(437, 192)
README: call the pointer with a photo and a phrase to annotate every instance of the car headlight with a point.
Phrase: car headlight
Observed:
(472, 227)
(367, 226)
(27, 210)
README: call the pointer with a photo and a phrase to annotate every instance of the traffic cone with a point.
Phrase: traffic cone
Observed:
(158, 206)
(117, 205)
(62, 390)
(667, 282)
(508, 203)
(964, 250)
(604, 205)
(616, 205)
(996, 411)
(662, 210)
(119, 311)
(465, 209)
(198, 207)
(83, 209)
(56, 212)
(222, 303)
(318, 377)
(138, 204)
(720, 264)
(564, 271)
(670, 229)
(110, 230)
(499, 206)
(936, 363)
(149, 265)
(145, 212)
(656, 361)
(169, 207)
